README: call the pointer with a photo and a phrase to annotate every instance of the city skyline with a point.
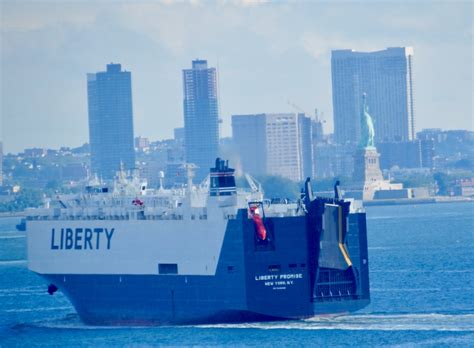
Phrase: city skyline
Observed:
(269, 62)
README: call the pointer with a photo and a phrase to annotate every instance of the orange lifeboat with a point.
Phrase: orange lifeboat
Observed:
(257, 219)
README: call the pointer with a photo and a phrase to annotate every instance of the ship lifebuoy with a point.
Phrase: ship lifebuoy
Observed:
(137, 202)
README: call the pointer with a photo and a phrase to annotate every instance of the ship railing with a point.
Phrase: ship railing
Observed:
(283, 210)
(198, 217)
(130, 215)
(38, 217)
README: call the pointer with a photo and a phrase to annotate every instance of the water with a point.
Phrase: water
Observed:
(422, 286)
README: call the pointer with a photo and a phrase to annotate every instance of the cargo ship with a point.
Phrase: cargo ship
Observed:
(125, 254)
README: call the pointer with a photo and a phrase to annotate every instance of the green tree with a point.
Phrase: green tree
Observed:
(416, 180)
(279, 187)
(52, 186)
(26, 198)
(328, 183)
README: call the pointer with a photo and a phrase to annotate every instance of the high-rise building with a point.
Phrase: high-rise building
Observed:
(110, 121)
(333, 160)
(305, 130)
(274, 144)
(179, 135)
(201, 116)
(403, 154)
(142, 143)
(250, 138)
(387, 78)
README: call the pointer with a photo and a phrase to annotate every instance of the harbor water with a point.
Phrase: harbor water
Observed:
(421, 261)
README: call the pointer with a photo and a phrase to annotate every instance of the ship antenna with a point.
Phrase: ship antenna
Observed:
(162, 175)
(190, 167)
(337, 191)
(308, 192)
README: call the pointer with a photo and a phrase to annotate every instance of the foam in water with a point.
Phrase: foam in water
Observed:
(381, 322)
(13, 236)
(12, 262)
(72, 322)
(36, 309)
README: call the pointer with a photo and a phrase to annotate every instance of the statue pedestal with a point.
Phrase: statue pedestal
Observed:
(367, 173)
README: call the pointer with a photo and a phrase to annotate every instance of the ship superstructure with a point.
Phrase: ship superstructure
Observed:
(126, 254)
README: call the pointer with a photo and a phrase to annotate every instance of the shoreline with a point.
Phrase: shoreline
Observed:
(378, 202)
(412, 201)
(16, 214)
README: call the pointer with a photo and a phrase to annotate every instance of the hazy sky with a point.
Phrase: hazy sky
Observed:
(268, 53)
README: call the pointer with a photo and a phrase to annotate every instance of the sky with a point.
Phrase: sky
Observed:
(268, 54)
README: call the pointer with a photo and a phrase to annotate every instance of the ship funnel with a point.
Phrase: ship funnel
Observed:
(222, 180)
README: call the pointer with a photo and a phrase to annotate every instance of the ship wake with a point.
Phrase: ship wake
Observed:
(374, 322)
(360, 322)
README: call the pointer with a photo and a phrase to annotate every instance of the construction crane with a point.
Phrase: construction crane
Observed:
(317, 115)
(296, 107)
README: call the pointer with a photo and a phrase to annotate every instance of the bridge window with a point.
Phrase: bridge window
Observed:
(168, 268)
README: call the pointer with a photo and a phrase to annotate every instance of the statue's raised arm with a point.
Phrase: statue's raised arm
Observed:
(367, 132)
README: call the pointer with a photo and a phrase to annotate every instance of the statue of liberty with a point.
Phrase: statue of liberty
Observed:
(367, 132)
